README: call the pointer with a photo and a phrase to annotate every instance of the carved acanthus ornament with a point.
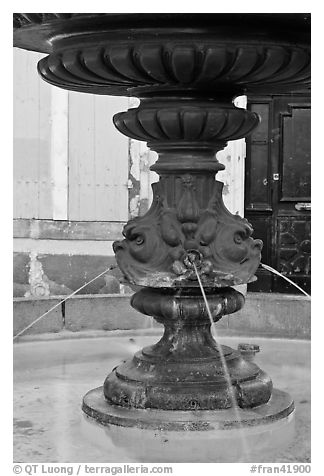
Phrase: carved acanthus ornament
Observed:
(157, 247)
(187, 217)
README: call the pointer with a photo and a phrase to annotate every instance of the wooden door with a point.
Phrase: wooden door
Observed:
(277, 189)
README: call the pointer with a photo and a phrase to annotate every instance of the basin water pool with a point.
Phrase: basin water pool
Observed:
(51, 377)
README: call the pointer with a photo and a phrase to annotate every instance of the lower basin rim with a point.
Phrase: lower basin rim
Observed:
(279, 408)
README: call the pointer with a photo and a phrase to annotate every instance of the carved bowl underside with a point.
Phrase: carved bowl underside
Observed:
(117, 68)
(202, 122)
(113, 54)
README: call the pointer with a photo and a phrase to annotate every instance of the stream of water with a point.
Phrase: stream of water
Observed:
(274, 271)
(221, 353)
(227, 376)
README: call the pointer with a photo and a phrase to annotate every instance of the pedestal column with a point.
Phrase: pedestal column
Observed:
(187, 226)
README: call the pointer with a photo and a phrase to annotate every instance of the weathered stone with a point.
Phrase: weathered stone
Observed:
(20, 268)
(277, 315)
(19, 290)
(25, 311)
(106, 312)
(66, 273)
(67, 230)
(76, 270)
(111, 286)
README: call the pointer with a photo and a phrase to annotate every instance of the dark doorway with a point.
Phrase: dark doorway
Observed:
(277, 189)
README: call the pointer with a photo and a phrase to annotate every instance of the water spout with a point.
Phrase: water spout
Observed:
(274, 271)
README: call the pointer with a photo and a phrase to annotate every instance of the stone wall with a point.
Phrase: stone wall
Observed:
(265, 315)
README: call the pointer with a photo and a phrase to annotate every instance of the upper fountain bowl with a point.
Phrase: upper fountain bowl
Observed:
(153, 54)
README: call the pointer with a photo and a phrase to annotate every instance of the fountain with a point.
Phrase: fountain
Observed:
(186, 69)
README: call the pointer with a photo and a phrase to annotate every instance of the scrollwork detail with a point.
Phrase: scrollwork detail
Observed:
(159, 247)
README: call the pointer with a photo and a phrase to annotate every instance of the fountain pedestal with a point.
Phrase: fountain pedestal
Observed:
(184, 370)
(186, 70)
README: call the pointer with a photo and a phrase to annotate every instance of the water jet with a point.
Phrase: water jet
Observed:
(188, 251)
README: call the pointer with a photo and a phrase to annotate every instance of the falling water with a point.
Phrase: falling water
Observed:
(225, 368)
(274, 271)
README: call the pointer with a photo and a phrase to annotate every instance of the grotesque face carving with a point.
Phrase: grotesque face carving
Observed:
(234, 251)
(160, 248)
(142, 242)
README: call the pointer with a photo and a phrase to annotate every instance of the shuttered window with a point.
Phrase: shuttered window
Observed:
(70, 163)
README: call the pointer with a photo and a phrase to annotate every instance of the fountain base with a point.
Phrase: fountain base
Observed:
(263, 430)
(186, 369)
(279, 407)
